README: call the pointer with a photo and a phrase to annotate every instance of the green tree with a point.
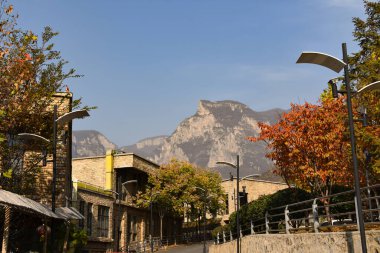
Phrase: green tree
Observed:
(255, 210)
(364, 69)
(174, 186)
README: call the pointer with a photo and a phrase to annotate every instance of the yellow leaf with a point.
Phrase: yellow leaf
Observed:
(9, 9)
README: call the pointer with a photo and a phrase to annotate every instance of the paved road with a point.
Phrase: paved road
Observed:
(194, 248)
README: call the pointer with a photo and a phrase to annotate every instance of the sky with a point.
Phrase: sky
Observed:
(146, 64)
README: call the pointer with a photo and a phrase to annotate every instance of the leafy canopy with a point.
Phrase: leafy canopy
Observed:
(309, 146)
(31, 72)
(173, 187)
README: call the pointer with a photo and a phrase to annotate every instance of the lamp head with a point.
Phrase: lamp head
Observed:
(334, 87)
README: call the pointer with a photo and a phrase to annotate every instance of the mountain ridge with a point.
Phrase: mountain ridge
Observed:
(217, 131)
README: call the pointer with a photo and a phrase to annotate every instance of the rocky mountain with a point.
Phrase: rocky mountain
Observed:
(149, 147)
(90, 143)
(218, 131)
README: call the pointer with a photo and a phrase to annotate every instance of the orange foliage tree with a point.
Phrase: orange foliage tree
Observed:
(310, 146)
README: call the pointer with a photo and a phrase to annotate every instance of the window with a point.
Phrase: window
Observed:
(81, 210)
(89, 219)
(227, 207)
(132, 228)
(103, 221)
(243, 198)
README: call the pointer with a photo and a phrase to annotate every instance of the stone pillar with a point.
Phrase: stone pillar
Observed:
(7, 221)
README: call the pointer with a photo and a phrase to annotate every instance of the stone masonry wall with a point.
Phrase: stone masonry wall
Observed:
(90, 170)
(63, 186)
(339, 242)
(130, 160)
(97, 200)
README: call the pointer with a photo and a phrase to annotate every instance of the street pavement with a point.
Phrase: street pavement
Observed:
(192, 248)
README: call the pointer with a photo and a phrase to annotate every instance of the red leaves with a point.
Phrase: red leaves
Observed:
(309, 145)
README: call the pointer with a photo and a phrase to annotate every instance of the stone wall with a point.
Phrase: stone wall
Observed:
(131, 160)
(90, 169)
(96, 199)
(338, 242)
(63, 101)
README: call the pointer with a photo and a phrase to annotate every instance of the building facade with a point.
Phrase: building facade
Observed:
(112, 220)
(250, 189)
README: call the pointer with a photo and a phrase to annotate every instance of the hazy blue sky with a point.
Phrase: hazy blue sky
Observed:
(146, 64)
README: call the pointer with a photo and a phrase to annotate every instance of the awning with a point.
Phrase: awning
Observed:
(69, 213)
(18, 201)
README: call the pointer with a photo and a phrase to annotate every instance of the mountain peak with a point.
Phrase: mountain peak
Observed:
(227, 106)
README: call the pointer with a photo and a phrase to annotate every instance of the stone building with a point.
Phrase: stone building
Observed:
(34, 153)
(250, 189)
(112, 219)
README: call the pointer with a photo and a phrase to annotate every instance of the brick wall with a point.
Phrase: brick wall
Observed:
(63, 186)
(96, 199)
(90, 169)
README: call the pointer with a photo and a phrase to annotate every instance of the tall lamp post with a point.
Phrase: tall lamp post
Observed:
(116, 220)
(236, 166)
(151, 220)
(123, 185)
(204, 214)
(337, 65)
(117, 223)
(67, 117)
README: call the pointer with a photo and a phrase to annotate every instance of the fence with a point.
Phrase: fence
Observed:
(324, 214)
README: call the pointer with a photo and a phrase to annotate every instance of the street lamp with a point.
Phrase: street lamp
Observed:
(117, 226)
(128, 182)
(67, 117)
(151, 220)
(35, 137)
(116, 220)
(249, 176)
(204, 215)
(238, 200)
(337, 65)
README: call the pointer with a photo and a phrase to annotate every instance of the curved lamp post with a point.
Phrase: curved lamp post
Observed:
(204, 217)
(118, 212)
(206, 196)
(67, 117)
(151, 220)
(116, 228)
(236, 166)
(35, 137)
(249, 176)
(370, 87)
(337, 65)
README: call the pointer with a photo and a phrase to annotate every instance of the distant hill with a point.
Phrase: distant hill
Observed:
(218, 131)
(90, 143)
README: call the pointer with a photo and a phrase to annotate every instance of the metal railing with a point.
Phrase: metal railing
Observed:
(323, 214)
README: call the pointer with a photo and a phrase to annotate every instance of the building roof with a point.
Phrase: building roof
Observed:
(17, 201)
(28, 205)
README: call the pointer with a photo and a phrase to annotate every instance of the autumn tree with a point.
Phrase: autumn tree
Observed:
(309, 146)
(31, 72)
